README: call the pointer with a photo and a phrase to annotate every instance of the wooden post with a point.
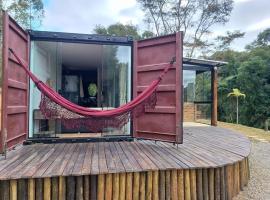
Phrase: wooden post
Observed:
(193, 191)
(149, 185)
(129, 186)
(174, 186)
(187, 184)
(31, 189)
(122, 192)
(62, 188)
(86, 188)
(39, 189)
(222, 184)
(142, 185)
(168, 184)
(214, 82)
(162, 190)
(205, 184)
(199, 184)
(108, 186)
(13, 189)
(217, 184)
(70, 190)
(100, 189)
(211, 182)
(55, 188)
(136, 185)
(4, 190)
(180, 183)
(155, 185)
(79, 188)
(47, 189)
(22, 189)
(115, 186)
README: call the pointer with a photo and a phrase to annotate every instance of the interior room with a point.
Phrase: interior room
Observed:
(90, 75)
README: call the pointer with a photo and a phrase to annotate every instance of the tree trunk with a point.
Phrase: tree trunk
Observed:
(236, 110)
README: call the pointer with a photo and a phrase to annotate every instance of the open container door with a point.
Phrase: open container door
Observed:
(14, 85)
(163, 123)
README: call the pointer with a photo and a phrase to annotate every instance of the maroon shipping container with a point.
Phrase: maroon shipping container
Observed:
(162, 123)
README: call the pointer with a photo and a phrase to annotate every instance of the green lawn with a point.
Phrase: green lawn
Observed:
(250, 132)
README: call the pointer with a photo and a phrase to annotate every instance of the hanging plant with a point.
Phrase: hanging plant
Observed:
(92, 89)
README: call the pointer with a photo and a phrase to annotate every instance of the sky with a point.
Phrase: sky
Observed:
(81, 16)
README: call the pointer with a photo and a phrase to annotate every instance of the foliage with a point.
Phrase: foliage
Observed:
(263, 39)
(250, 72)
(194, 17)
(27, 13)
(225, 41)
(119, 29)
(236, 93)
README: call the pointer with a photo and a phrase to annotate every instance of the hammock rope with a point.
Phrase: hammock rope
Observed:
(54, 106)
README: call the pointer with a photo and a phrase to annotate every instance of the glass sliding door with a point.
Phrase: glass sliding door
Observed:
(116, 80)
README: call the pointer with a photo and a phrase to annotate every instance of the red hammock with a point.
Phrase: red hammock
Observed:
(54, 106)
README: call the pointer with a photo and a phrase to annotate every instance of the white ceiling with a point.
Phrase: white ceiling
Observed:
(75, 55)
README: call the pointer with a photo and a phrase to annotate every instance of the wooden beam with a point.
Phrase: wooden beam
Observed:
(47, 189)
(116, 185)
(62, 188)
(155, 185)
(136, 186)
(142, 185)
(13, 189)
(214, 75)
(31, 189)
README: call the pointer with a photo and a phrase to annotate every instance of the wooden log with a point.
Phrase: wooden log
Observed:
(93, 184)
(62, 188)
(136, 186)
(149, 185)
(79, 188)
(222, 184)
(22, 189)
(101, 187)
(116, 186)
(242, 174)
(31, 189)
(129, 186)
(168, 184)
(180, 184)
(39, 189)
(199, 184)
(211, 182)
(4, 190)
(193, 191)
(236, 178)
(217, 184)
(142, 185)
(155, 185)
(86, 188)
(162, 185)
(205, 185)
(70, 188)
(229, 181)
(108, 187)
(187, 184)
(55, 188)
(174, 194)
(13, 189)
(47, 189)
(122, 193)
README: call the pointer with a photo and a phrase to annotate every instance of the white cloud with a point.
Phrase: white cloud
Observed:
(263, 24)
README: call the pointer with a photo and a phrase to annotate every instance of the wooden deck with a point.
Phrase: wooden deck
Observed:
(203, 147)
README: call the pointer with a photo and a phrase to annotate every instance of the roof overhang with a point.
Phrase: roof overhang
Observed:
(201, 64)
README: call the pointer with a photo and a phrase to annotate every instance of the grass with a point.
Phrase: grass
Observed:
(254, 133)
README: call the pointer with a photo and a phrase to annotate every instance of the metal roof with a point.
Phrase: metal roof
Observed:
(201, 64)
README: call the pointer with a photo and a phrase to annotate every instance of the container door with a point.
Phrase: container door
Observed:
(163, 123)
(15, 84)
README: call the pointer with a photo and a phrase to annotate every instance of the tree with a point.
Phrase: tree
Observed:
(119, 29)
(262, 40)
(194, 17)
(226, 40)
(27, 13)
(236, 93)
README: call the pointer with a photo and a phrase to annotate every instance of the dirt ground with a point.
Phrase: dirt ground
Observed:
(259, 185)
